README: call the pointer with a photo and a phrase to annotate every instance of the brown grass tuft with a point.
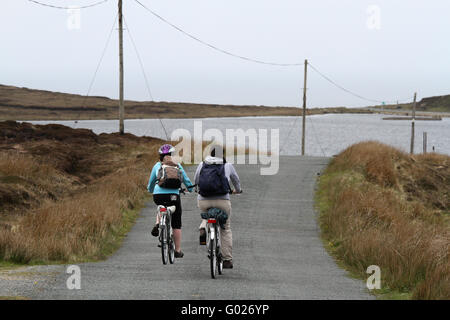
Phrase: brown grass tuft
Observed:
(380, 206)
(75, 227)
(66, 194)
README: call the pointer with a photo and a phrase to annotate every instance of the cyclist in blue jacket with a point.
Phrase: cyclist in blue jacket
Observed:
(168, 197)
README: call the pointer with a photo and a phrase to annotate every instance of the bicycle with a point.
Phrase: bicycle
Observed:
(214, 245)
(166, 240)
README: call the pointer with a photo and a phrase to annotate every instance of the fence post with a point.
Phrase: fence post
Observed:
(425, 142)
(413, 123)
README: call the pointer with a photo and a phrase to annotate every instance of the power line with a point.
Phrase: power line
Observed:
(205, 44)
(215, 47)
(65, 8)
(351, 92)
(144, 74)
(99, 62)
(315, 135)
(225, 52)
(261, 61)
(139, 58)
(289, 134)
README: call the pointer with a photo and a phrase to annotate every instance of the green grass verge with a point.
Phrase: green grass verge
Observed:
(13, 298)
(115, 238)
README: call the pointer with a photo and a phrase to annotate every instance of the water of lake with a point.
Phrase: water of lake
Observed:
(325, 134)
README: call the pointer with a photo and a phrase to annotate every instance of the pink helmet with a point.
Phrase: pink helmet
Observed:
(166, 149)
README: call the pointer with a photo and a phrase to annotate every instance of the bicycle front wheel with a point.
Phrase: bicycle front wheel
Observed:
(171, 245)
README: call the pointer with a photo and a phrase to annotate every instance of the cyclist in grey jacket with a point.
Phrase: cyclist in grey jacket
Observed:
(219, 201)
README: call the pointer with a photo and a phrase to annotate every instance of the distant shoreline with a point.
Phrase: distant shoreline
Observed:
(31, 104)
(40, 105)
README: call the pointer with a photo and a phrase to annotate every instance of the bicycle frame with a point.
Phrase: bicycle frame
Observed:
(164, 215)
(212, 229)
(213, 238)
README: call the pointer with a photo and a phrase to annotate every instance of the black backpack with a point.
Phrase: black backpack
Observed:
(212, 180)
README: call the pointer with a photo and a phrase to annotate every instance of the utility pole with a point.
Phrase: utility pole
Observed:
(425, 138)
(304, 108)
(413, 123)
(121, 104)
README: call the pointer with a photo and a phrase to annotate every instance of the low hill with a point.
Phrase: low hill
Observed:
(436, 104)
(30, 104)
(430, 104)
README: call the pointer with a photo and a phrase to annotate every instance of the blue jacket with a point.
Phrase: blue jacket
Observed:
(152, 187)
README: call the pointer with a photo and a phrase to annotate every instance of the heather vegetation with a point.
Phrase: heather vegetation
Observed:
(68, 194)
(380, 206)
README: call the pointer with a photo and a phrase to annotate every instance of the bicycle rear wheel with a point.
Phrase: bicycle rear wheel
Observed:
(213, 256)
(219, 254)
(164, 244)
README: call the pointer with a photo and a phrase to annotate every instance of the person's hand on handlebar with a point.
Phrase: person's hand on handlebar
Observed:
(236, 192)
(191, 188)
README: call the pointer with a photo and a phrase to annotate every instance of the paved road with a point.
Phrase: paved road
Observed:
(277, 251)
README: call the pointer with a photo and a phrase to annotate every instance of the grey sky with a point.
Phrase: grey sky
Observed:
(409, 52)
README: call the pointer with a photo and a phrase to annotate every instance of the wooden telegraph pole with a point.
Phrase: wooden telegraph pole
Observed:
(425, 138)
(121, 104)
(304, 108)
(413, 123)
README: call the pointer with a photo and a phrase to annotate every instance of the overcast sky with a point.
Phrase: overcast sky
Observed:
(380, 49)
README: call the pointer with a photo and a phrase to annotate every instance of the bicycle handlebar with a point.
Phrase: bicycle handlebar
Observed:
(232, 192)
(182, 190)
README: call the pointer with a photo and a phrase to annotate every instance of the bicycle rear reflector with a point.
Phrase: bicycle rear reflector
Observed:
(212, 221)
(162, 209)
